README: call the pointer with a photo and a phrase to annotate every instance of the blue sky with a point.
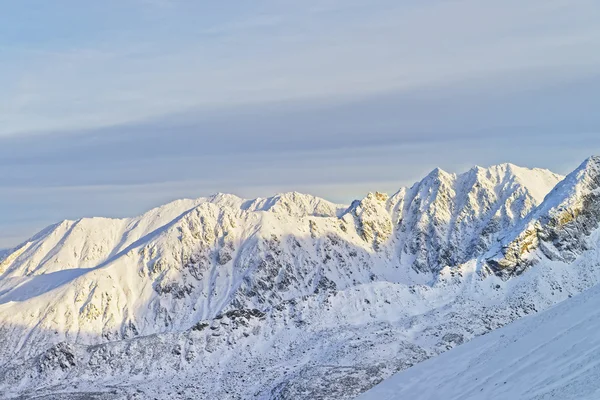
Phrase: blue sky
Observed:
(112, 107)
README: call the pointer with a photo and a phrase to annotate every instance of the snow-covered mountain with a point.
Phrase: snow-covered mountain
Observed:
(560, 229)
(290, 296)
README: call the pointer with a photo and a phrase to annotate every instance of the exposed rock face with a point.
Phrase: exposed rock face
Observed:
(219, 290)
(373, 223)
(60, 356)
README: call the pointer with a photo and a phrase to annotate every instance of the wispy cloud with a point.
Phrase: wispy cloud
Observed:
(201, 56)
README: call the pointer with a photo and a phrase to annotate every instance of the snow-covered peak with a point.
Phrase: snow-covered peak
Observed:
(296, 204)
(439, 175)
(559, 228)
(579, 183)
(445, 219)
(537, 181)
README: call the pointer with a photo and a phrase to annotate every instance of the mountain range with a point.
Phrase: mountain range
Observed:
(292, 296)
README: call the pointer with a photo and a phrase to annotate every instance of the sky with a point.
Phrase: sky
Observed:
(110, 108)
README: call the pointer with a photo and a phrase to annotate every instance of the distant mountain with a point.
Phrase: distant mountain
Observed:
(290, 296)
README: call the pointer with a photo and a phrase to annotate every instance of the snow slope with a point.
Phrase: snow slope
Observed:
(551, 355)
(289, 296)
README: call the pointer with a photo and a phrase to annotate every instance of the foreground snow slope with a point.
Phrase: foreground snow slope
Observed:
(552, 355)
(290, 296)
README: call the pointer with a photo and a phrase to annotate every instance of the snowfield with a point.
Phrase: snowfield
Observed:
(290, 297)
(552, 355)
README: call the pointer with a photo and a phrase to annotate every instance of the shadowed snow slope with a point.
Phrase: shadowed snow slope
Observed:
(551, 355)
(290, 296)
